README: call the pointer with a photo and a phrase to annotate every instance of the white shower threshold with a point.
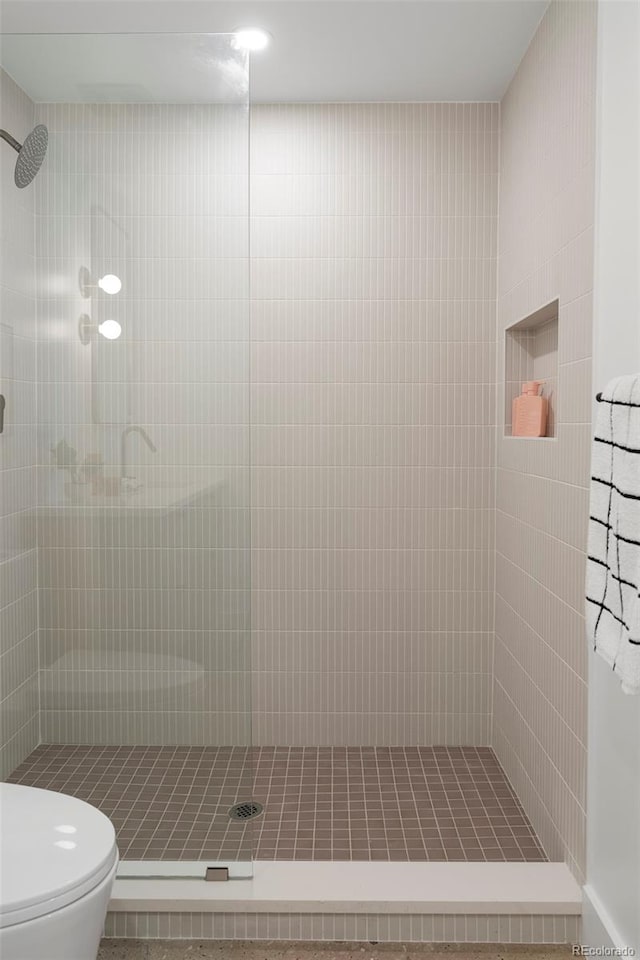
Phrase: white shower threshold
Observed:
(358, 887)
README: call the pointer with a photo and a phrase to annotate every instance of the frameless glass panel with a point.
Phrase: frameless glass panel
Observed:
(143, 405)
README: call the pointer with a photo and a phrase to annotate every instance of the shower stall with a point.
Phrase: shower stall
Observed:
(257, 431)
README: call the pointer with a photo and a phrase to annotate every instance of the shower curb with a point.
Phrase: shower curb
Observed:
(439, 902)
(365, 887)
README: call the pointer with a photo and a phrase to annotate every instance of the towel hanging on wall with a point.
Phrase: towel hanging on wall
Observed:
(613, 565)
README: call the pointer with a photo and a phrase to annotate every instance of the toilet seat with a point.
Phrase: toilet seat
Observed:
(54, 849)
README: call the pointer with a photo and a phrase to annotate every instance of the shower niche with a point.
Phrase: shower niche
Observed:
(531, 353)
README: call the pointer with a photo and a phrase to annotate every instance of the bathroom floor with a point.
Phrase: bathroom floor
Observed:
(320, 803)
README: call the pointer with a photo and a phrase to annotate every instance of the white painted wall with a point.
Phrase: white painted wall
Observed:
(612, 893)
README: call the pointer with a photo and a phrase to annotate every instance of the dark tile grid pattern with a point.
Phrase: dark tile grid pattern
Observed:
(388, 803)
(321, 803)
(166, 803)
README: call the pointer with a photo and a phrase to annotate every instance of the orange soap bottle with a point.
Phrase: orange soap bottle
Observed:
(529, 411)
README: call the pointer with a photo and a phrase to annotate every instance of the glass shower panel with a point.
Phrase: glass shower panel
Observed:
(143, 407)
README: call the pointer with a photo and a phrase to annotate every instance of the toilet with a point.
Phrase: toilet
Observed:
(58, 861)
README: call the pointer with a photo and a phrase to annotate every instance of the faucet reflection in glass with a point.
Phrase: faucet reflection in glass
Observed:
(128, 482)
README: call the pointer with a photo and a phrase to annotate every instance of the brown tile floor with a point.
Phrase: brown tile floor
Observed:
(240, 950)
(321, 803)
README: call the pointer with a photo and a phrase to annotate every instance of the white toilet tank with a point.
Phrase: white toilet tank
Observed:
(58, 860)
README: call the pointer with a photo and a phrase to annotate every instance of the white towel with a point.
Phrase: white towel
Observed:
(613, 566)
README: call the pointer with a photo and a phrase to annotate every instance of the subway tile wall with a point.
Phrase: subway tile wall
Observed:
(373, 408)
(359, 927)
(545, 251)
(18, 456)
(373, 235)
(144, 591)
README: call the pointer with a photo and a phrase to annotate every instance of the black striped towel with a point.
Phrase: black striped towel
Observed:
(613, 566)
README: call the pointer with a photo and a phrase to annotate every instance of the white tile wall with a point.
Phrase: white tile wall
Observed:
(373, 408)
(545, 251)
(18, 564)
(373, 398)
(383, 928)
(144, 599)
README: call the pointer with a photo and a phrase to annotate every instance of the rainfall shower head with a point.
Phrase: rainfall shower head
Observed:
(31, 153)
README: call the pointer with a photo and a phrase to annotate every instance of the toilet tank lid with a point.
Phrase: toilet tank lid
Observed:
(53, 850)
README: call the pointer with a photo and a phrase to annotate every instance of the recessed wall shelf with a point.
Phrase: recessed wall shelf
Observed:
(531, 353)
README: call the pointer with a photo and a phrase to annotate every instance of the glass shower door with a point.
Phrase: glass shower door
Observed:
(143, 409)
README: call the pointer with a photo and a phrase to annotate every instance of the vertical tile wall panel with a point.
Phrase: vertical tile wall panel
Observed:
(373, 402)
(373, 251)
(442, 928)
(18, 456)
(545, 251)
(144, 598)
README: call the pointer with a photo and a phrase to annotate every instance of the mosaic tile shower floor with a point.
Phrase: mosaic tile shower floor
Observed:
(320, 803)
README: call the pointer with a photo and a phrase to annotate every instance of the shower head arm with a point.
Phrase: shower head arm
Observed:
(11, 141)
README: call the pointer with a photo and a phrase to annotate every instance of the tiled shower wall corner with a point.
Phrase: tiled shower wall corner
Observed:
(373, 422)
(144, 605)
(545, 251)
(18, 563)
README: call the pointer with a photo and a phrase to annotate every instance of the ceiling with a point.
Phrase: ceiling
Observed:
(127, 68)
(322, 50)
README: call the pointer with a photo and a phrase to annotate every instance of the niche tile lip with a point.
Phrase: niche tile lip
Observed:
(537, 318)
